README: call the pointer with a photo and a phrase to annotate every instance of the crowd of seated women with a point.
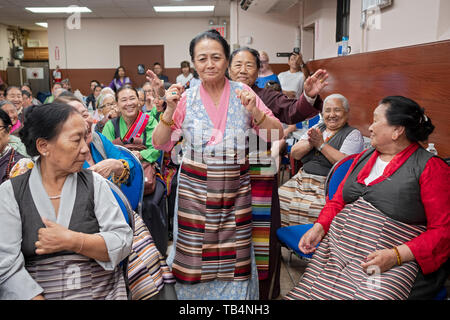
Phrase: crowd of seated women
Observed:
(390, 217)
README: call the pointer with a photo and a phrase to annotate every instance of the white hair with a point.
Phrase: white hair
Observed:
(339, 97)
(107, 90)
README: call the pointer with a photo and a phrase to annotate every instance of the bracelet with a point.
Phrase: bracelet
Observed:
(123, 176)
(399, 259)
(169, 124)
(257, 124)
(321, 147)
(82, 243)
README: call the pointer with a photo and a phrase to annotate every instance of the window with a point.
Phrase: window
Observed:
(342, 19)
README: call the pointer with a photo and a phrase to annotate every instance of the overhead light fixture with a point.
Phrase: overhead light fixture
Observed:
(70, 9)
(42, 24)
(183, 8)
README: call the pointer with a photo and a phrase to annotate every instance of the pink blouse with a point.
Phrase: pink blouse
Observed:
(217, 115)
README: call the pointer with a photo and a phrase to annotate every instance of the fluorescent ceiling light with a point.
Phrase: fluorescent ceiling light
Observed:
(183, 8)
(70, 9)
(42, 24)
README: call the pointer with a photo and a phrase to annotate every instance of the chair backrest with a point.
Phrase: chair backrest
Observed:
(336, 174)
(313, 121)
(123, 203)
(135, 190)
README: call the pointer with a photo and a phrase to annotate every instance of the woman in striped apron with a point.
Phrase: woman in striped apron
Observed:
(213, 256)
(386, 232)
(303, 196)
(63, 233)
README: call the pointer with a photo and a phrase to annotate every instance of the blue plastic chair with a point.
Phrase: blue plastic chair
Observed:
(123, 202)
(290, 236)
(135, 190)
(313, 121)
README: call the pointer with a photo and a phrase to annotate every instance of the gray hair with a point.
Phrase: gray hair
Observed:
(5, 102)
(102, 98)
(339, 97)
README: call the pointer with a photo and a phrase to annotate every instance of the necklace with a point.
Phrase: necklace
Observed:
(54, 197)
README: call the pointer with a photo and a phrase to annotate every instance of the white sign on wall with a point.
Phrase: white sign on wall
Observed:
(35, 73)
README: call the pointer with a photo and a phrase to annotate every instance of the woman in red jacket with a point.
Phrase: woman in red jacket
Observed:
(386, 232)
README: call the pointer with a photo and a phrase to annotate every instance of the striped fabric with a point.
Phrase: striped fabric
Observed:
(138, 127)
(335, 270)
(214, 223)
(147, 268)
(262, 180)
(76, 277)
(301, 199)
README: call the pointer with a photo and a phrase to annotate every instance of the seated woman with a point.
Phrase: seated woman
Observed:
(11, 110)
(265, 73)
(106, 106)
(14, 95)
(303, 196)
(385, 234)
(73, 236)
(134, 129)
(119, 80)
(103, 157)
(8, 155)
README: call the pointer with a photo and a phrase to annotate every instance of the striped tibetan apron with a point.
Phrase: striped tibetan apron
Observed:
(335, 270)
(214, 198)
(301, 199)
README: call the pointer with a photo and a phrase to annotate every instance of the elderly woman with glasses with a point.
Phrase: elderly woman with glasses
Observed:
(107, 110)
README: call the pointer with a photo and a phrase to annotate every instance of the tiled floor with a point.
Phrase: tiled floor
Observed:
(292, 268)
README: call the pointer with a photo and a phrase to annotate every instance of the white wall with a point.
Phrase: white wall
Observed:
(405, 23)
(4, 47)
(96, 43)
(272, 32)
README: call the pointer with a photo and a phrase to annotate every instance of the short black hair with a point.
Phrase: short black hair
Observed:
(26, 93)
(157, 64)
(405, 112)
(126, 86)
(254, 53)
(96, 81)
(213, 35)
(43, 121)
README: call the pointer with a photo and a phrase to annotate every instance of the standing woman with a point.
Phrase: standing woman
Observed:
(213, 256)
(63, 233)
(119, 79)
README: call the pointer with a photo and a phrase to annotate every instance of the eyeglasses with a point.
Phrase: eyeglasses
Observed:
(109, 104)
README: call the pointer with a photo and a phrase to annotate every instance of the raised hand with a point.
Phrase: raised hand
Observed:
(173, 95)
(248, 100)
(315, 83)
(156, 83)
